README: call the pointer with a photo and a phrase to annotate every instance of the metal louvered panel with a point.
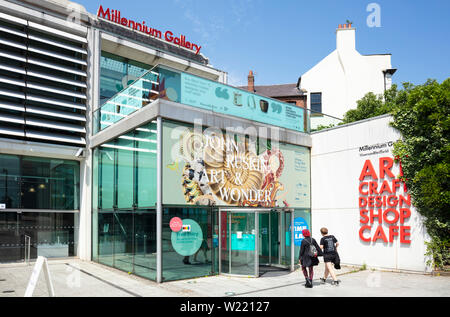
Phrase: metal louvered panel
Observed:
(47, 64)
(55, 137)
(59, 33)
(42, 111)
(56, 102)
(12, 81)
(42, 99)
(43, 82)
(11, 119)
(42, 39)
(12, 31)
(55, 113)
(55, 125)
(11, 106)
(33, 73)
(13, 69)
(12, 94)
(41, 51)
(4, 41)
(13, 19)
(56, 55)
(54, 90)
(51, 42)
(12, 132)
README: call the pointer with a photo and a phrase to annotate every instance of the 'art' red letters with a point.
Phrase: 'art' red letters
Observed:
(380, 204)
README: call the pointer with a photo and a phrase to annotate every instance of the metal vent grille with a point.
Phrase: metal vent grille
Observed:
(43, 75)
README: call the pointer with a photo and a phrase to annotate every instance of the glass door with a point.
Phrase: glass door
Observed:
(287, 245)
(269, 238)
(238, 242)
(275, 238)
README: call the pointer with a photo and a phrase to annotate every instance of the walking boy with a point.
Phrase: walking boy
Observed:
(329, 245)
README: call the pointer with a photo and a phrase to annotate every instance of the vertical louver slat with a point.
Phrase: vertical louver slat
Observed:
(43, 83)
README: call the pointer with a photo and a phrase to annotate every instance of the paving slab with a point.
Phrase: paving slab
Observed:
(76, 278)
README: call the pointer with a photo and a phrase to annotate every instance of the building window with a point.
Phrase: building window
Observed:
(116, 73)
(316, 103)
(39, 183)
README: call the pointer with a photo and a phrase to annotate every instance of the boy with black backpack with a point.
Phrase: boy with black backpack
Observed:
(329, 245)
(308, 257)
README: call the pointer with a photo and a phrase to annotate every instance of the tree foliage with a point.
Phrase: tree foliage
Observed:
(423, 119)
(372, 105)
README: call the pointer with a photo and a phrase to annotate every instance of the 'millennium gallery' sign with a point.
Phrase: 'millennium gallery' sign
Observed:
(115, 16)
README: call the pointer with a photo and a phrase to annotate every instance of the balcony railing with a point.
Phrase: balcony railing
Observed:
(168, 84)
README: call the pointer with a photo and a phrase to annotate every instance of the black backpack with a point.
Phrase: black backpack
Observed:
(312, 251)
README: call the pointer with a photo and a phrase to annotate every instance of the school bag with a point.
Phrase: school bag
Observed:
(311, 251)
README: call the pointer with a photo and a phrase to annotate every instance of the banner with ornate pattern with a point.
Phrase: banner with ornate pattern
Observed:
(208, 167)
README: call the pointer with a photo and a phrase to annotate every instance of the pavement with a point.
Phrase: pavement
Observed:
(77, 278)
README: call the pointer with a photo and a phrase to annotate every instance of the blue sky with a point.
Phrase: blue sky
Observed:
(281, 40)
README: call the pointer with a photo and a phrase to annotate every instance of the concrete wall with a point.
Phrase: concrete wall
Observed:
(336, 165)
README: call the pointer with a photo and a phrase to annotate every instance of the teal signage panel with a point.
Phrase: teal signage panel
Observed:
(209, 95)
(188, 240)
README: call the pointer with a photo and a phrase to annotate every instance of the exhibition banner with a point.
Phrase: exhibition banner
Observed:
(208, 168)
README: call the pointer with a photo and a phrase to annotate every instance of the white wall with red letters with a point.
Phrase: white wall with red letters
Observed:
(358, 195)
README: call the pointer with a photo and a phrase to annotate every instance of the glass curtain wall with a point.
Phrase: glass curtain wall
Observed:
(124, 199)
(31, 187)
(50, 235)
(191, 249)
(39, 183)
(116, 73)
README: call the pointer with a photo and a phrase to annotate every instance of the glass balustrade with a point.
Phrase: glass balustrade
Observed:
(163, 83)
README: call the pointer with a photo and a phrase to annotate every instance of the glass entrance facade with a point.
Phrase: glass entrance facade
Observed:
(39, 200)
(124, 198)
(213, 186)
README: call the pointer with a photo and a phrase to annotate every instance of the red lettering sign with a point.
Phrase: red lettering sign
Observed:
(114, 16)
(380, 204)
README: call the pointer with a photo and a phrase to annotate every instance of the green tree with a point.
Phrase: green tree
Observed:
(372, 105)
(422, 115)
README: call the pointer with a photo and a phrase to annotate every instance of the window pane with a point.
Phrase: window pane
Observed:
(10, 238)
(50, 184)
(116, 73)
(316, 103)
(187, 253)
(106, 178)
(316, 98)
(123, 241)
(125, 161)
(10, 181)
(112, 71)
(105, 238)
(146, 166)
(145, 244)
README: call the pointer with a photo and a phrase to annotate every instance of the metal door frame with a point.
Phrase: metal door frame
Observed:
(256, 213)
(229, 212)
(281, 237)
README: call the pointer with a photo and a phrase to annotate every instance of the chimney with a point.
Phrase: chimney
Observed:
(251, 82)
(345, 38)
